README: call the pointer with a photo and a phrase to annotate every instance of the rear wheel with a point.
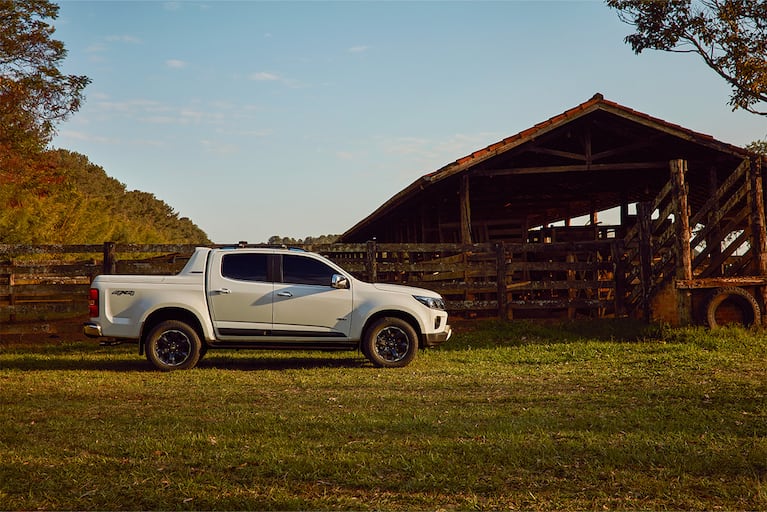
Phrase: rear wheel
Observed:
(173, 345)
(390, 343)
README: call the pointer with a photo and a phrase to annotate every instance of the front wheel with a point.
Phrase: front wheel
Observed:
(173, 345)
(390, 343)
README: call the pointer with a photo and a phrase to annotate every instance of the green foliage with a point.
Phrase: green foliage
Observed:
(34, 94)
(75, 202)
(730, 36)
(284, 240)
(758, 146)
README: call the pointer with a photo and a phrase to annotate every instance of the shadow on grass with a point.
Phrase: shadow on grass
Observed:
(494, 333)
(126, 359)
(255, 363)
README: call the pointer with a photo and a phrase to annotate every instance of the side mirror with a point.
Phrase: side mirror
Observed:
(339, 281)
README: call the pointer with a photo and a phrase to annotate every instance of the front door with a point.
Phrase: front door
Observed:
(305, 303)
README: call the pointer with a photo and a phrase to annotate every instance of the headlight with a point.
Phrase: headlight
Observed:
(431, 302)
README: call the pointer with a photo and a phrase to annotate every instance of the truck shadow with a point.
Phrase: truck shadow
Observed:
(32, 362)
(279, 363)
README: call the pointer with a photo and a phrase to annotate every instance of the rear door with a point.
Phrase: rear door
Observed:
(305, 303)
(240, 295)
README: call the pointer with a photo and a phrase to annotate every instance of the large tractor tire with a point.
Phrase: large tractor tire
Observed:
(732, 306)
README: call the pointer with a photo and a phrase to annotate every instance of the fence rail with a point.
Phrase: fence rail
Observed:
(46, 283)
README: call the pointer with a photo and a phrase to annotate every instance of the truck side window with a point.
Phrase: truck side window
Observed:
(244, 267)
(303, 270)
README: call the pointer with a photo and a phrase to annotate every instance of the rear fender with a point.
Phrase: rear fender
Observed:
(180, 314)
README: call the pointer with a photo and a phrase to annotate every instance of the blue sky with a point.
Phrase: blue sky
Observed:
(300, 118)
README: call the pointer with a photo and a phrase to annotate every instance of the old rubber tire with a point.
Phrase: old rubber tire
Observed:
(732, 303)
(390, 343)
(173, 345)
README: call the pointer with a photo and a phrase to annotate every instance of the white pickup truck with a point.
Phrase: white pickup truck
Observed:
(263, 298)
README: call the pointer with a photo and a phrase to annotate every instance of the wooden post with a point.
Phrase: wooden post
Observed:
(758, 235)
(644, 211)
(572, 293)
(371, 263)
(110, 263)
(12, 295)
(681, 212)
(714, 238)
(594, 220)
(500, 259)
(624, 214)
(619, 277)
(465, 206)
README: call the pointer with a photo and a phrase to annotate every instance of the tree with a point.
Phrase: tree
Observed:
(730, 36)
(317, 240)
(78, 203)
(34, 94)
(758, 146)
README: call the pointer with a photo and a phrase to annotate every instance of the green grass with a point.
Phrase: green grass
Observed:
(602, 415)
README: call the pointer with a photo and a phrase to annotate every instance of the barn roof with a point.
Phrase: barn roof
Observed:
(633, 125)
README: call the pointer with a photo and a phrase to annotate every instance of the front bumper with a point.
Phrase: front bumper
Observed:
(92, 330)
(437, 338)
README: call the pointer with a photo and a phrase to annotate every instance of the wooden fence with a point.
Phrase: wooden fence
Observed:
(43, 284)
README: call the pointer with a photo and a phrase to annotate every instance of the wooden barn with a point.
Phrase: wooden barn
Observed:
(601, 210)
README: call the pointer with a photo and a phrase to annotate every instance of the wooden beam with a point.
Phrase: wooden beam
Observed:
(644, 221)
(501, 280)
(371, 261)
(617, 251)
(714, 238)
(721, 282)
(465, 206)
(758, 234)
(631, 166)
(756, 199)
(587, 156)
(586, 140)
(643, 143)
(681, 212)
(556, 152)
(722, 192)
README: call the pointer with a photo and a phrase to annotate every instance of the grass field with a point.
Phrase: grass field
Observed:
(608, 415)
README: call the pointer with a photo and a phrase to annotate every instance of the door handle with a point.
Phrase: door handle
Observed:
(222, 291)
(284, 294)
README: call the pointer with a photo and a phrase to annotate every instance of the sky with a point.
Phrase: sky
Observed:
(298, 119)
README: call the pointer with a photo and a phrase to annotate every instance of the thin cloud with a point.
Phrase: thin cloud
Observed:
(96, 48)
(430, 154)
(123, 39)
(219, 148)
(358, 49)
(84, 136)
(264, 76)
(175, 64)
(110, 141)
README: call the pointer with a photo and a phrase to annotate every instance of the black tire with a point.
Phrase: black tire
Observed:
(732, 305)
(390, 343)
(173, 345)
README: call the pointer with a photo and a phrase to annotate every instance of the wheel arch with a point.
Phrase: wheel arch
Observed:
(395, 313)
(170, 313)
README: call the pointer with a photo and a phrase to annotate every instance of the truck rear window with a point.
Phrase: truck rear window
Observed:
(244, 267)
